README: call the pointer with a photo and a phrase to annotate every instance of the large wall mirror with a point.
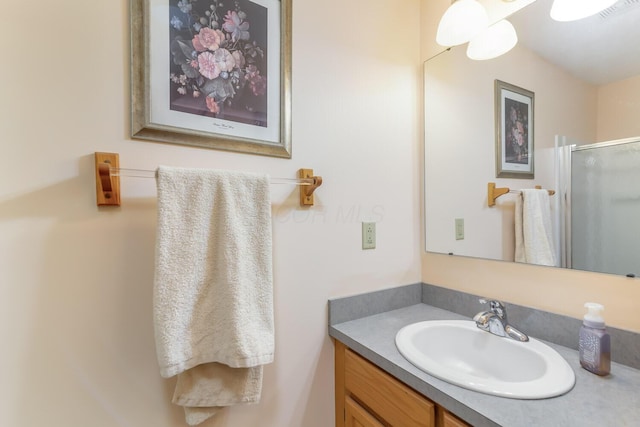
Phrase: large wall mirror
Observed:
(585, 80)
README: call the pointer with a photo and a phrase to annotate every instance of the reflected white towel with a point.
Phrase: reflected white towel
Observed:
(213, 296)
(534, 236)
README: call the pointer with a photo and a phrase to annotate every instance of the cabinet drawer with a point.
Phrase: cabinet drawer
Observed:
(393, 402)
(357, 416)
(450, 420)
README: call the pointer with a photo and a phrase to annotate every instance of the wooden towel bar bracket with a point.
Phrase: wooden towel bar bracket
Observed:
(108, 184)
(493, 193)
(306, 191)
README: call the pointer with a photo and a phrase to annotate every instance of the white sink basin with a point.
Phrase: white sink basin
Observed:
(458, 352)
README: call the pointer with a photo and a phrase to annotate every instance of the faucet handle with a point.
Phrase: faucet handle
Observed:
(495, 307)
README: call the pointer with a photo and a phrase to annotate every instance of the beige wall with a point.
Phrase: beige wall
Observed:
(76, 281)
(619, 109)
(551, 289)
(430, 13)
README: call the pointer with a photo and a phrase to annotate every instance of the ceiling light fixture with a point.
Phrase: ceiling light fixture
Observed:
(494, 41)
(572, 10)
(462, 21)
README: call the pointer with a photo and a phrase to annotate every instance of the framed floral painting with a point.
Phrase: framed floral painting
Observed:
(213, 74)
(514, 131)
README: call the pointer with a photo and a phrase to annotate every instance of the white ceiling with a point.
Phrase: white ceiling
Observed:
(599, 49)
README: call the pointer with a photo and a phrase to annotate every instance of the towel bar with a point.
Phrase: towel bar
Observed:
(493, 193)
(108, 172)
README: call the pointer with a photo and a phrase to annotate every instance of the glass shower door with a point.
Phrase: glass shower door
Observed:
(605, 207)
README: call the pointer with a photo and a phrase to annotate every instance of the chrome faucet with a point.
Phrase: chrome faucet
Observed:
(495, 321)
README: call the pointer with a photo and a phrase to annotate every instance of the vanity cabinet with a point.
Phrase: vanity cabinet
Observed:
(366, 396)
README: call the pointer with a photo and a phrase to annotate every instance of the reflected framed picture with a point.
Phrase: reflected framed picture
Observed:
(212, 74)
(514, 116)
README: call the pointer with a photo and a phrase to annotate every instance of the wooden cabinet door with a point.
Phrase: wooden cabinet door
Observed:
(391, 400)
(357, 416)
(450, 420)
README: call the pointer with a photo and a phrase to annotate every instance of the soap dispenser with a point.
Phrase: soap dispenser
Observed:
(595, 343)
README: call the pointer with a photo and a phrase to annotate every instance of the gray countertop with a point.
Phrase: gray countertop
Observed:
(613, 400)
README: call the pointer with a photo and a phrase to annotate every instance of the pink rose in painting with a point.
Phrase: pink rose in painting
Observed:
(212, 105)
(210, 39)
(197, 45)
(207, 65)
(224, 60)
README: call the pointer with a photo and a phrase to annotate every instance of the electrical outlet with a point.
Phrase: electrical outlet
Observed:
(368, 235)
(459, 228)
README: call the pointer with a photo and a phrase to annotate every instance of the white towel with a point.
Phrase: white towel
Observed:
(534, 236)
(213, 286)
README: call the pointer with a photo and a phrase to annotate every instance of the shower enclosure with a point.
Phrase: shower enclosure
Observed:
(598, 217)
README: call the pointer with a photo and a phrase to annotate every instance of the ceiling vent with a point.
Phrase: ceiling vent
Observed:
(621, 7)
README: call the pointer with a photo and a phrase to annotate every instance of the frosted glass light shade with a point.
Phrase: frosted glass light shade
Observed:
(572, 10)
(462, 21)
(494, 41)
